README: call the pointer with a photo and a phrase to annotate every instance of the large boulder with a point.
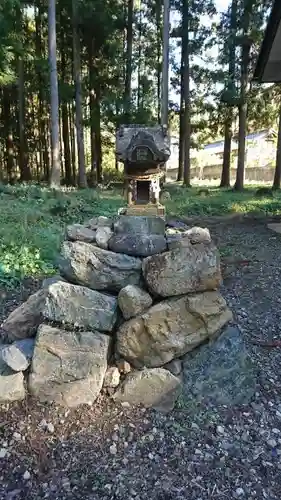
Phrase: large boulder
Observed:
(11, 384)
(220, 372)
(133, 300)
(25, 319)
(138, 244)
(190, 269)
(78, 232)
(171, 328)
(156, 388)
(90, 266)
(135, 224)
(68, 367)
(18, 355)
(80, 306)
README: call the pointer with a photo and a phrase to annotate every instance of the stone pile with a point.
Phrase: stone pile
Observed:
(133, 298)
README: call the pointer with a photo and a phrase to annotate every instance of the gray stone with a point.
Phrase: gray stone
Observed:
(135, 224)
(18, 355)
(171, 328)
(25, 319)
(133, 300)
(98, 269)
(103, 236)
(177, 240)
(199, 235)
(220, 372)
(78, 232)
(194, 268)
(156, 388)
(68, 368)
(11, 384)
(80, 306)
(100, 221)
(175, 367)
(177, 225)
(53, 279)
(139, 245)
(112, 377)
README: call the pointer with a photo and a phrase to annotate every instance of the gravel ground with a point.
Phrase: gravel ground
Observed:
(104, 452)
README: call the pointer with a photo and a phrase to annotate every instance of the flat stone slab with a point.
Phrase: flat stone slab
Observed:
(79, 306)
(98, 269)
(220, 372)
(276, 227)
(138, 245)
(145, 225)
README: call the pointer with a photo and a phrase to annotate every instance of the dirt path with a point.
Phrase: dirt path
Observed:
(226, 454)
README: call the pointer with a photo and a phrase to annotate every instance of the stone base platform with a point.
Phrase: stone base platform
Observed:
(144, 210)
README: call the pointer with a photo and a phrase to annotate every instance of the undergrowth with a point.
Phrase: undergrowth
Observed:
(33, 219)
(32, 226)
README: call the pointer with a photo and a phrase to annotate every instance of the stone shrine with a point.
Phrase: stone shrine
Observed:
(144, 152)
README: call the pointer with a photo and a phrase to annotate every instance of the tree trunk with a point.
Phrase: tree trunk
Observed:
(139, 95)
(277, 175)
(159, 56)
(239, 184)
(187, 104)
(181, 130)
(98, 135)
(165, 70)
(43, 125)
(55, 172)
(64, 116)
(129, 68)
(225, 176)
(66, 145)
(25, 174)
(73, 143)
(9, 141)
(92, 112)
(82, 179)
(245, 57)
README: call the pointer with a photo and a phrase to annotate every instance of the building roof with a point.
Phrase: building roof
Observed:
(218, 147)
(268, 67)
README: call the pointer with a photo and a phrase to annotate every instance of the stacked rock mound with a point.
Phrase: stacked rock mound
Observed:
(133, 297)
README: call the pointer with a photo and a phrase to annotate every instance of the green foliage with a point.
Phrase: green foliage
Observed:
(189, 202)
(32, 227)
(9, 40)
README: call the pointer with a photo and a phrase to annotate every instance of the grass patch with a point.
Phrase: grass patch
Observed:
(33, 219)
(33, 222)
(189, 202)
